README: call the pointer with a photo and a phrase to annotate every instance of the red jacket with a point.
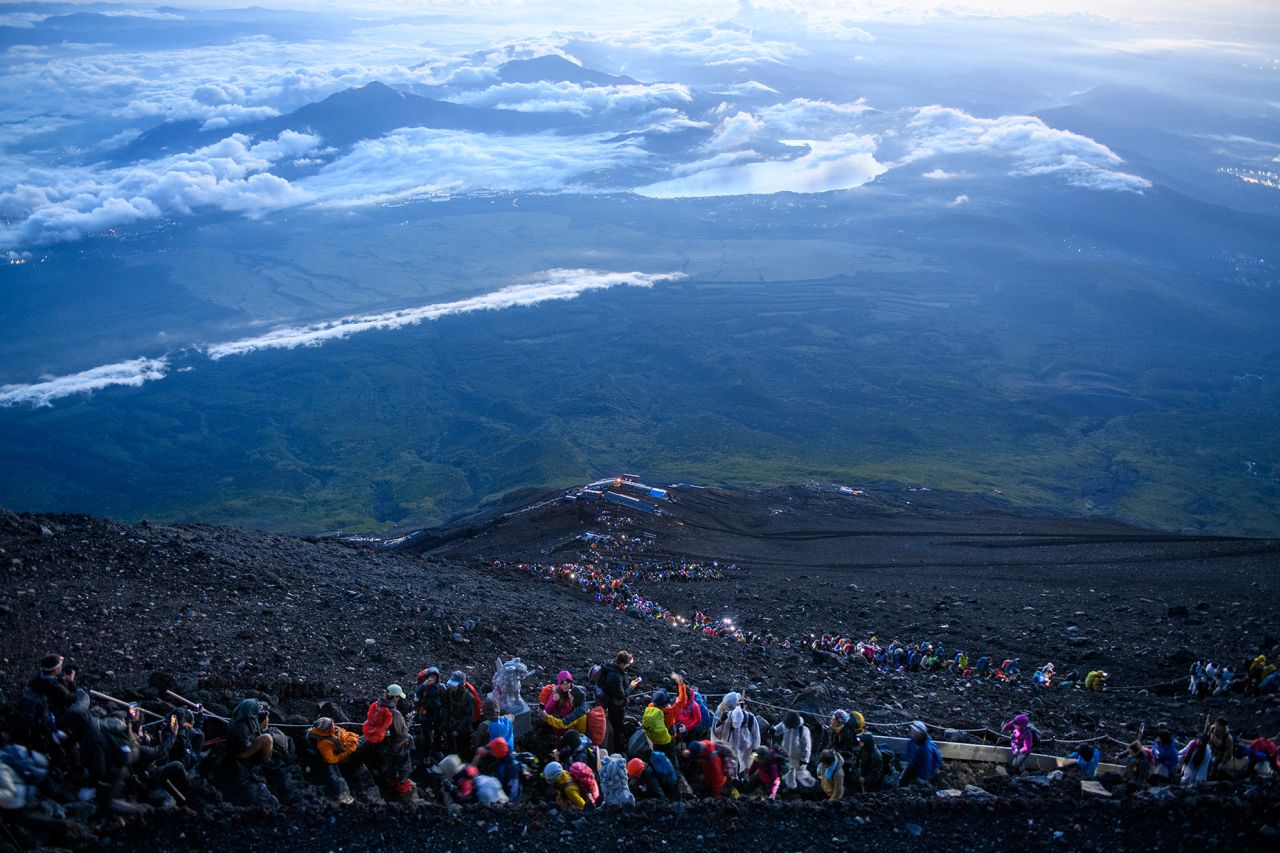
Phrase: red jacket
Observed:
(712, 767)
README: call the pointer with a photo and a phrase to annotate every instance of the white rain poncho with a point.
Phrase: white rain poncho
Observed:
(737, 728)
(797, 744)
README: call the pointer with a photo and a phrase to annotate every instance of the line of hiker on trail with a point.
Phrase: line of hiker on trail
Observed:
(67, 762)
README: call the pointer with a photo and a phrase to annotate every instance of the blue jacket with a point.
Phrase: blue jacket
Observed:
(662, 766)
(1088, 768)
(924, 757)
(1166, 756)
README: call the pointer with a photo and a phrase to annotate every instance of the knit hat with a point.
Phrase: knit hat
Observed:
(565, 675)
(324, 724)
(1021, 720)
(635, 767)
(839, 718)
(696, 748)
(661, 698)
(499, 748)
(552, 771)
(457, 679)
(49, 663)
(919, 728)
(395, 691)
(859, 721)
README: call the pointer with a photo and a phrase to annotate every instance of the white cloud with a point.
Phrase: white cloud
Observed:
(942, 175)
(844, 162)
(552, 285)
(426, 161)
(1034, 147)
(734, 132)
(54, 204)
(131, 373)
(958, 200)
(567, 97)
(808, 117)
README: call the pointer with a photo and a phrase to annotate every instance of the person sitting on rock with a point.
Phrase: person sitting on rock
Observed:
(1096, 681)
(1165, 754)
(337, 749)
(565, 706)
(1223, 744)
(495, 759)
(566, 792)
(575, 748)
(1087, 757)
(462, 710)
(1196, 758)
(1138, 763)
(247, 738)
(831, 774)
(959, 664)
(457, 781)
(1225, 680)
(1021, 740)
(982, 667)
(42, 706)
(708, 767)
(922, 758)
(493, 724)
(1263, 752)
(797, 745)
(428, 714)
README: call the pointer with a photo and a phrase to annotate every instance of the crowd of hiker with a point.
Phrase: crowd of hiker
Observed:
(582, 744)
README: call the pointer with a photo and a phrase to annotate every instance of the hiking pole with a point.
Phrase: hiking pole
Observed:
(174, 791)
(194, 706)
(105, 698)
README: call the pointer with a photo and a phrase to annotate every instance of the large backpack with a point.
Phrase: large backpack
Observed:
(377, 722)
(545, 694)
(704, 724)
(585, 779)
(597, 724)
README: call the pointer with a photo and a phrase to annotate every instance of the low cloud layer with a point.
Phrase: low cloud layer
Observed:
(549, 286)
(554, 285)
(132, 373)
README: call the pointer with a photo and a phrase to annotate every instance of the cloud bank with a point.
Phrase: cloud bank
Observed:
(548, 286)
(556, 285)
(131, 373)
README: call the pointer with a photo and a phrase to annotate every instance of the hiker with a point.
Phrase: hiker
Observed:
(642, 781)
(566, 704)
(959, 664)
(922, 758)
(870, 765)
(1096, 681)
(1021, 740)
(588, 785)
(737, 728)
(1223, 744)
(1265, 752)
(982, 668)
(1137, 764)
(831, 774)
(1087, 756)
(693, 720)
(247, 738)
(337, 749)
(387, 734)
(711, 767)
(496, 760)
(1225, 677)
(843, 731)
(575, 748)
(615, 687)
(797, 744)
(654, 723)
(615, 783)
(40, 709)
(567, 793)
(1165, 754)
(457, 781)
(493, 724)
(765, 772)
(1196, 756)
(461, 714)
(428, 714)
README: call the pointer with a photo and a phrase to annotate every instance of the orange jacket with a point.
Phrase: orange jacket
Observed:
(683, 698)
(336, 746)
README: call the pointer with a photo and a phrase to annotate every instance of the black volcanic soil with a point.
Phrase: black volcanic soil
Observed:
(222, 613)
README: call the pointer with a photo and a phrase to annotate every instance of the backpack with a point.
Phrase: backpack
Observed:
(1033, 736)
(662, 766)
(586, 781)
(33, 722)
(638, 746)
(377, 722)
(597, 724)
(704, 722)
(545, 694)
(728, 761)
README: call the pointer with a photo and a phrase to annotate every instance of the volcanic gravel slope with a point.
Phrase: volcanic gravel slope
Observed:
(221, 613)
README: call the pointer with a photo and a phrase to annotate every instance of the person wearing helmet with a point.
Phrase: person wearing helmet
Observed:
(566, 791)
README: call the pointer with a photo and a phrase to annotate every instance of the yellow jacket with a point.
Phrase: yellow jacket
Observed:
(654, 723)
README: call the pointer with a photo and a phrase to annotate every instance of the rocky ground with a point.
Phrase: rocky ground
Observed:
(218, 614)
